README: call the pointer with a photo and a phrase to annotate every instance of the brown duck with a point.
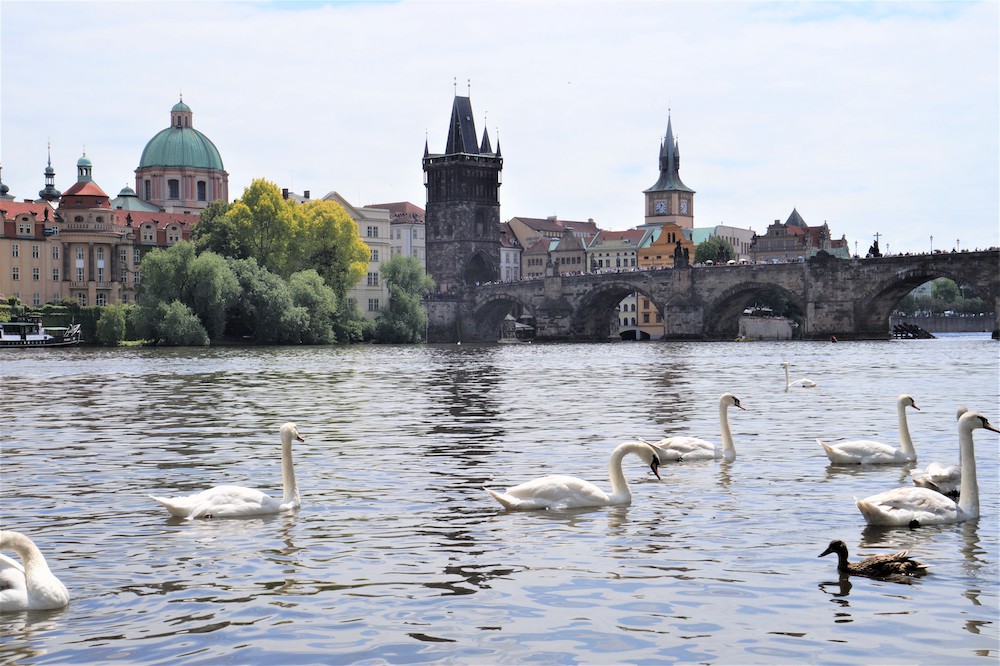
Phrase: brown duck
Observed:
(876, 566)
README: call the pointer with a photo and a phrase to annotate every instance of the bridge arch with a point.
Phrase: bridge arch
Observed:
(875, 308)
(722, 314)
(595, 316)
(489, 314)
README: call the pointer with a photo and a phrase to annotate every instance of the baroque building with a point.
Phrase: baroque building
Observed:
(463, 205)
(180, 169)
(796, 241)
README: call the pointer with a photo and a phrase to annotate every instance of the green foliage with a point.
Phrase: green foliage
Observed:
(263, 221)
(265, 309)
(945, 290)
(350, 324)
(180, 326)
(404, 320)
(320, 303)
(202, 282)
(217, 232)
(715, 249)
(327, 239)
(111, 325)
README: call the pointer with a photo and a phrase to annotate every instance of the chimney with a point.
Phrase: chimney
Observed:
(284, 193)
(305, 194)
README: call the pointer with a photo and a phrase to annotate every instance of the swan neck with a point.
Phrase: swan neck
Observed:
(31, 558)
(968, 500)
(619, 485)
(905, 442)
(727, 435)
(291, 490)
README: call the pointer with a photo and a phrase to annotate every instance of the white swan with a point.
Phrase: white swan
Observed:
(556, 491)
(804, 383)
(912, 506)
(943, 478)
(237, 501)
(678, 449)
(30, 585)
(868, 452)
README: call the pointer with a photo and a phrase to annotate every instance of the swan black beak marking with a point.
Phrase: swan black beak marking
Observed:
(736, 402)
(655, 466)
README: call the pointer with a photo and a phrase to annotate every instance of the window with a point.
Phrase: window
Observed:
(55, 297)
(15, 273)
(55, 275)
(36, 299)
(36, 274)
(373, 279)
(79, 273)
(147, 190)
(202, 191)
(100, 273)
(100, 254)
(372, 232)
(148, 235)
(15, 250)
(79, 254)
(173, 186)
(645, 318)
(122, 255)
(372, 305)
(102, 299)
(173, 234)
(55, 251)
(416, 234)
(123, 276)
(35, 252)
(136, 256)
(374, 255)
(24, 229)
(81, 298)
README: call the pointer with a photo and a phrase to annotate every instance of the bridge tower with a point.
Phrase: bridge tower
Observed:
(463, 206)
(669, 199)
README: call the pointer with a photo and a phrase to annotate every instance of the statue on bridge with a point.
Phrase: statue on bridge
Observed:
(873, 251)
(681, 257)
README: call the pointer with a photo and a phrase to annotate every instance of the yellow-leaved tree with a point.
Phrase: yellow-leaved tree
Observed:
(326, 239)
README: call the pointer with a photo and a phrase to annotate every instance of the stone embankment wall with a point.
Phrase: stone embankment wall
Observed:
(950, 323)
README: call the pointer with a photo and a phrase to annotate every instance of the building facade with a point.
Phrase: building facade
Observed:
(796, 241)
(85, 250)
(371, 294)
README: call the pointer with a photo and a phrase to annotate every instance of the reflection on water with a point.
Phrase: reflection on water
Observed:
(398, 555)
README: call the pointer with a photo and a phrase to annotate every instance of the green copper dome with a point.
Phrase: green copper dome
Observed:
(181, 106)
(181, 147)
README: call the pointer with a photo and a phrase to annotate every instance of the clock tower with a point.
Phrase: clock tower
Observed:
(670, 200)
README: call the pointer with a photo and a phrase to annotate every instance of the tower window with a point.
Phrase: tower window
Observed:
(173, 187)
(202, 191)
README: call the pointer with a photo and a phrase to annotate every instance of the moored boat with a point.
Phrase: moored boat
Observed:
(29, 332)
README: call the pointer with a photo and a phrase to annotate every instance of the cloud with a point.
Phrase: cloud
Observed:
(874, 117)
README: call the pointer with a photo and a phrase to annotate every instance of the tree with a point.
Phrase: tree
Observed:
(327, 239)
(265, 309)
(263, 221)
(170, 324)
(715, 249)
(404, 319)
(217, 232)
(320, 303)
(111, 325)
(204, 283)
(945, 290)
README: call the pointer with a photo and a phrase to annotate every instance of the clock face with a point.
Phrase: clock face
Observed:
(661, 207)
(684, 206)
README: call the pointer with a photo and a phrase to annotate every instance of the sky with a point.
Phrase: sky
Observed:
(874, 117)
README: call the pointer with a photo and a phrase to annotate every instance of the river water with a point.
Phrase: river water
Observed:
(398, 555)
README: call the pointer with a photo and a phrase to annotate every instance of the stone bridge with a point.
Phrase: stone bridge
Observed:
(846, 298)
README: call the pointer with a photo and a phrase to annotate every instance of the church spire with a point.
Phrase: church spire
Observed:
(49, 192)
